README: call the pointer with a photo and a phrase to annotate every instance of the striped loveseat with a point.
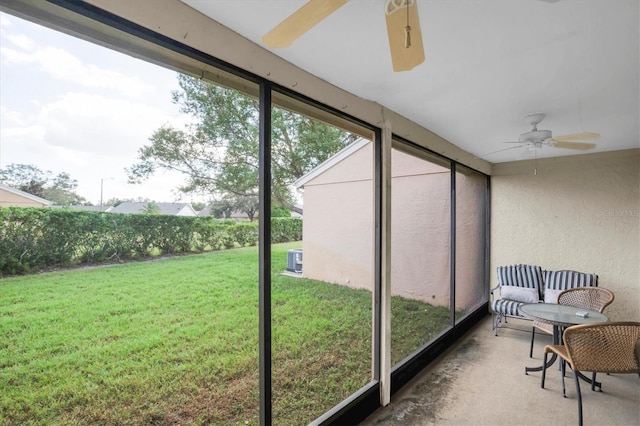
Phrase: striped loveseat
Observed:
(517, 285)
(522, 284)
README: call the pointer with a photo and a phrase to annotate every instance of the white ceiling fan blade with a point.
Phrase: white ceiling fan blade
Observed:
(301, 21)
(583, 146)
(576, 136)
(405, 44)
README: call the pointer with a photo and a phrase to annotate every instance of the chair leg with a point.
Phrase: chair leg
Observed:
(493, 323)
(496, 321)
(593, 382)
(563, 367)
(533, 335)
(579, 397)
(544, 369)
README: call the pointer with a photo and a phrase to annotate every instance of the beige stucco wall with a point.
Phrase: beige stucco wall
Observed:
(339, 223)
(9, 199)
(579, 212)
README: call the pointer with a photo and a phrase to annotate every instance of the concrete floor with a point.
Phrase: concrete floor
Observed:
(481, 381)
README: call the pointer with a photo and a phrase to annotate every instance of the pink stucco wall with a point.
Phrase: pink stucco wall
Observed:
(338, 229)
(420, 229)
(338, 223)
(471, 190)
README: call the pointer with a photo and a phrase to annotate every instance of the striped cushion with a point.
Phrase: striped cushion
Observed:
(528, 276)
(506, 307)
(508, 275)
(564, 280)
(556, 282)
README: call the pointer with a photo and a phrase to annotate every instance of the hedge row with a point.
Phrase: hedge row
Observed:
(33, 239)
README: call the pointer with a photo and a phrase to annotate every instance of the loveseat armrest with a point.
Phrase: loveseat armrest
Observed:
(492, 291)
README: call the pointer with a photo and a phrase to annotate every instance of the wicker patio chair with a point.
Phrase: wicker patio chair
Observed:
(610, 347)
(594, 298)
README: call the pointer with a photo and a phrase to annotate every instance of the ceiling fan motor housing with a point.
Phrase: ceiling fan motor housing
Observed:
(535, 136)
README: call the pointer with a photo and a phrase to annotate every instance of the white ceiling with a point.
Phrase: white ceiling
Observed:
(488, 63)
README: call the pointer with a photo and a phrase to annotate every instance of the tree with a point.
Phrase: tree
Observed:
(151, 208)
(25, 177)
(279, 211)
(198, 205)
(218, 154)
(115, 202)
(59, 189)
(221, 209)
(229, 203)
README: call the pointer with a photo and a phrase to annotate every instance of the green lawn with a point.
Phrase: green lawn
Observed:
(175, 341)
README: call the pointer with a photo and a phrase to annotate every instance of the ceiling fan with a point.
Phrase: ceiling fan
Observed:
(536, 139)
(403, 29)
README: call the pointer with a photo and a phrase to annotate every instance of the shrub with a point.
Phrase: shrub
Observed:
(245, 233)
(284, 229)
(33, 239)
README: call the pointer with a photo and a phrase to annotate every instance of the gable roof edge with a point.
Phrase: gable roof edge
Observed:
(25, 194)
(330, 162)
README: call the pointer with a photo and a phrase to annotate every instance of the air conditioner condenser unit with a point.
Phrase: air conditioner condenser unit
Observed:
(294, 260)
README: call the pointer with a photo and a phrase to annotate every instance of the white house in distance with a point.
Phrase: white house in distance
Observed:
(338, 219)
(238, 216)
(11, 197)
(174, 209)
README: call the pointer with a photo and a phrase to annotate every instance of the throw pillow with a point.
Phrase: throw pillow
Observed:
(519, 294)
(551, 295)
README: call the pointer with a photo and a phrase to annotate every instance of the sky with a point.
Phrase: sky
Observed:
(68, 105)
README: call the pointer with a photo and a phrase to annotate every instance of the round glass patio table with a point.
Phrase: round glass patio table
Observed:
(560, 317)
